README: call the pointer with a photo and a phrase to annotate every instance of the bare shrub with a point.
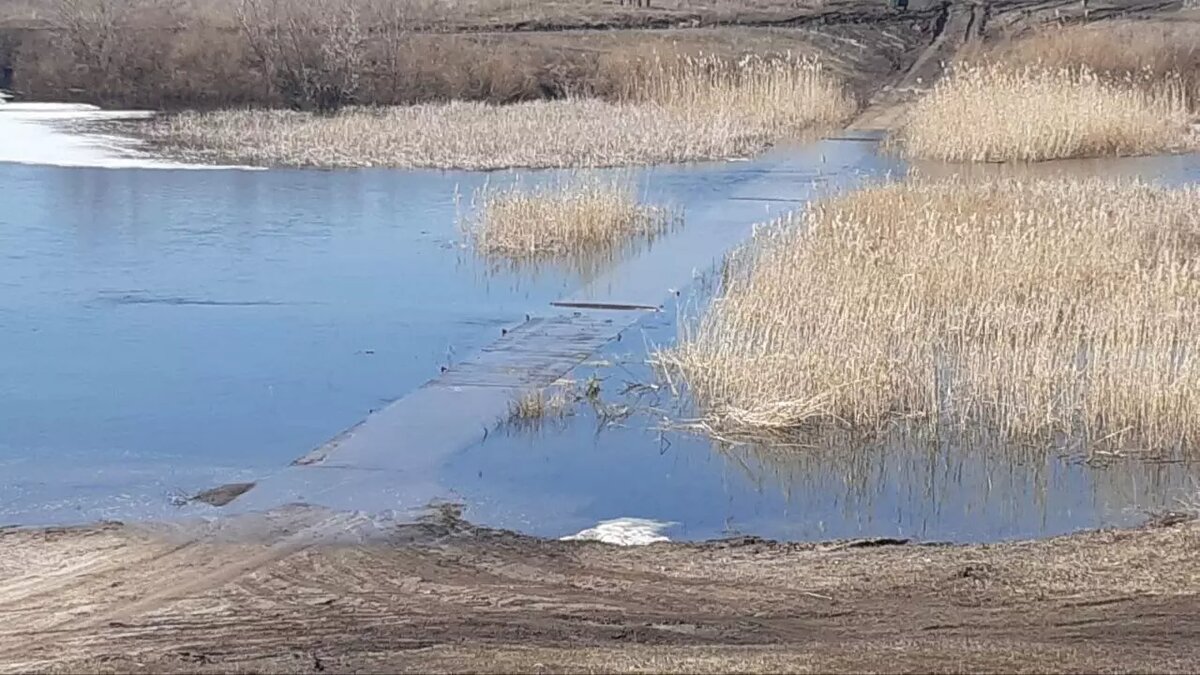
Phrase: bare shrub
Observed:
(1043, 311)
(312, 52)
(133, 53)
(96, 34)
(320, 54)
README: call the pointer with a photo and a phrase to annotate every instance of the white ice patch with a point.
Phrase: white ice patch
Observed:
(41, 133)
(624, 532)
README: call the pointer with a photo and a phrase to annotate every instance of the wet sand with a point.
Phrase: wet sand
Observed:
(303, 590)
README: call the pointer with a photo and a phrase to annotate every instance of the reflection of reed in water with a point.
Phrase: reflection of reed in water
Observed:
(1166, 169)
(970, 482)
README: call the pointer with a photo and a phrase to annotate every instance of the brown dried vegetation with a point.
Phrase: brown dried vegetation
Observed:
(1050, 312)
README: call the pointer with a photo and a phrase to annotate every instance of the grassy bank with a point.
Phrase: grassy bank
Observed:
(1120, 88)
(998, 113)
(1049, 312)
(676, 111)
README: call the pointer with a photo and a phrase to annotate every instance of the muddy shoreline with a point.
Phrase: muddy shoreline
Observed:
(333, 592)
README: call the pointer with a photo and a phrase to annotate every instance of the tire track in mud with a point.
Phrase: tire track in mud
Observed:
(152, 582)
(102, 563)
(322, 532)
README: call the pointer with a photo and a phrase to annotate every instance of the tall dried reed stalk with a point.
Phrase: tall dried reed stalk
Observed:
(1140, 50)
(691, 111)
(780, 97)
(584, 220)
(1048, 312)
(995, 113)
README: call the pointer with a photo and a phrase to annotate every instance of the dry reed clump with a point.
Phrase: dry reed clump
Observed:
(538, 405)
(680, 115)
(1141, 51)
(532, 409)
(584, 219)
(1062, 311)
(777, 97)
(995, 113)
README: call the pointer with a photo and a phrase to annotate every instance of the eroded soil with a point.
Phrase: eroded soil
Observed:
(304, 590)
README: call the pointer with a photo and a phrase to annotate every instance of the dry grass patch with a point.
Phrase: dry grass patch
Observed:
(1141, 51)
(1111, 88)
(681, 113)
(995, 113)
(538, 405)
(778, 97)
(1059, 313)
(585, 219)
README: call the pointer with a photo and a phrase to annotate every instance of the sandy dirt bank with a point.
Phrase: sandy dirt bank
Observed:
(342, 592)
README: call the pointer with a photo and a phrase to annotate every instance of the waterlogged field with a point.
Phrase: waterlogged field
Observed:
(179, 330)
(198, 341)
(633, 450)
(168, 331)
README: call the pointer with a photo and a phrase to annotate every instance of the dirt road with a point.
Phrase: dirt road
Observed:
(302, 590)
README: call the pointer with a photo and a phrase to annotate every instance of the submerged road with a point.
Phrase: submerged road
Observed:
(390, 463)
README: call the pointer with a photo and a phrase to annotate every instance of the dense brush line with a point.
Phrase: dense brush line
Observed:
(297, 54)
(676, 110)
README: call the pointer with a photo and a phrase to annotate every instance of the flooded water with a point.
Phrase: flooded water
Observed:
(595, 465)
(186, 327)
(166, 331)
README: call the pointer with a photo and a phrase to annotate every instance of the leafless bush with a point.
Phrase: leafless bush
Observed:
(312, 53)
(322, 54)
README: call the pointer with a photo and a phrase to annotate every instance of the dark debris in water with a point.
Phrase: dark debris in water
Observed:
(145, 299)
(220, 496)
(1169, 519)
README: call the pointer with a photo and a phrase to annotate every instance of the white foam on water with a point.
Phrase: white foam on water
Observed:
(40, 133)
(624, 532)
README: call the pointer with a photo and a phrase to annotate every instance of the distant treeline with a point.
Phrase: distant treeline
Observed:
(299, 54)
